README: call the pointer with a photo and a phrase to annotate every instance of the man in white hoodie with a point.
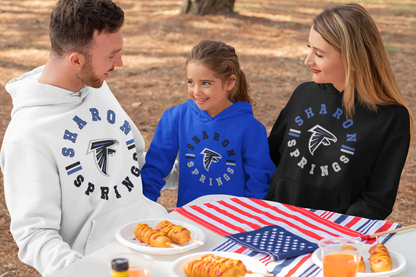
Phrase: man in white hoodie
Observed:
(71, 156)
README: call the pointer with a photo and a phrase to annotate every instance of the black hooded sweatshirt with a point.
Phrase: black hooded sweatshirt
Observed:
(330, 162)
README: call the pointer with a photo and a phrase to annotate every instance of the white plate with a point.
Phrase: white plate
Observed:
(125, 235)
(399, 263)
(251, 264)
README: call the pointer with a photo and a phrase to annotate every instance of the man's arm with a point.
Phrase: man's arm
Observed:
(33, 198)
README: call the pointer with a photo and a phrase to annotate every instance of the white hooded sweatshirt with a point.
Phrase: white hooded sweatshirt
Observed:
(71, 171)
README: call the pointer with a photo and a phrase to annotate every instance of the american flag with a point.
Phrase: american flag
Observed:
(275, 241)
(241, 215)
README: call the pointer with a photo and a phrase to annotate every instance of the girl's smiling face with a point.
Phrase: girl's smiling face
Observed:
(325, 62)
(207, 91)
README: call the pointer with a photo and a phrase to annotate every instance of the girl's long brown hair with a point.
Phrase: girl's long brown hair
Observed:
(369, 78)
(223, 61)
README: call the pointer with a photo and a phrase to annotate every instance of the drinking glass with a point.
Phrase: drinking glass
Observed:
(340, 256)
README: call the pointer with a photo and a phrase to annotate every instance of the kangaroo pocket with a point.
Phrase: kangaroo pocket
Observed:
(303, 195)
(104, 227)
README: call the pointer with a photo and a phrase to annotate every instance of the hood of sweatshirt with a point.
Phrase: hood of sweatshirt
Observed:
(26, 91)
(234, 110)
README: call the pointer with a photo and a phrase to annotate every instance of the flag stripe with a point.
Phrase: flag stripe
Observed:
(234, 217)
(385, 227)
(203, 222)
(302, 261)
(352, 222)
(309, 216)
(218, 219)
(241, 250)
(276, 218)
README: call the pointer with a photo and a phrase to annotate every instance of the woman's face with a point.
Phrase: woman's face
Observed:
(325, 62)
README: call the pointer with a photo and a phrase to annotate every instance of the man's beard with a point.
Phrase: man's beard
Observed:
(87, 76)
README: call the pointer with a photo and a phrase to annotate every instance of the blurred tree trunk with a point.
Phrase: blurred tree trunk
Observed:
(202, 7)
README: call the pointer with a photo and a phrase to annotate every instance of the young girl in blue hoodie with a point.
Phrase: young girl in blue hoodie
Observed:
(221, 147)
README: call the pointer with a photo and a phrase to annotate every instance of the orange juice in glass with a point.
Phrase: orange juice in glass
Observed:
(135, 271)
(340, 256)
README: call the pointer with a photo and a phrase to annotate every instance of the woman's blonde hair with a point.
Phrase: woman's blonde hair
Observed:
(223, 61)
(369, 78)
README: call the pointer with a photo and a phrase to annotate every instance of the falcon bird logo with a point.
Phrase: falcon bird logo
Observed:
(102, 151)
(320, 136)
(209, 157)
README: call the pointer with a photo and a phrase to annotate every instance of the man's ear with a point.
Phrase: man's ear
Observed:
(231, 82)
(76, 59)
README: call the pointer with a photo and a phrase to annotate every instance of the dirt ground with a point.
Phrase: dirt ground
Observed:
(270, 38)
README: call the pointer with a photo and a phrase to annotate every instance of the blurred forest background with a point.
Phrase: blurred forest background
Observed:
(270, 37)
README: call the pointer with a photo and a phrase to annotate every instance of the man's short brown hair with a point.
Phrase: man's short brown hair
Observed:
(73, 23)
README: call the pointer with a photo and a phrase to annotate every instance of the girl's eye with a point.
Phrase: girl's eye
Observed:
(190, 82)
(205, 83)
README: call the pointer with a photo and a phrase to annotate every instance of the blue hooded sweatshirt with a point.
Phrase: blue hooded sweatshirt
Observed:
(226, 154)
